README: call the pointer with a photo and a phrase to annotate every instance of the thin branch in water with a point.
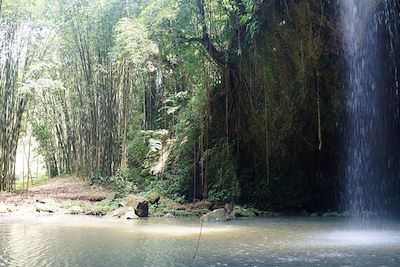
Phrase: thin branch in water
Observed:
(198, 243)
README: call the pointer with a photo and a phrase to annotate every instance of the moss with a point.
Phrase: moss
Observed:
(242, 212)
(181, 213)
(268, 213)
(331, 214)
(131, 200)
(217, 215)
(200, 212)
(97, 210)
(153, 197)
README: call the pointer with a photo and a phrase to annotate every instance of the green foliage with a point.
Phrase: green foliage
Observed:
(224, 186)
(134, 44)
(138, 149)
(144, 147)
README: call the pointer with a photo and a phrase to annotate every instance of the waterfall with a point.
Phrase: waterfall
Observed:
(371, 146)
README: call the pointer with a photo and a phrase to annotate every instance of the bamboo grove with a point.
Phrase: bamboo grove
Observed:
(243, 98)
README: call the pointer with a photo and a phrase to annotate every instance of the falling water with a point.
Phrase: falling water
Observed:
(371, 169)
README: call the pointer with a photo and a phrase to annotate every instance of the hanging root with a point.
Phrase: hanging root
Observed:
(198, 243)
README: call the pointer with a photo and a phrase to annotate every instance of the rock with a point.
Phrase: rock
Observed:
(75, 210)
(228, 207)
(215, 216)
(41, 201)
(40, 207)
(140, 205)
(142, 208)
(331, 214)
(242, 212)
(204, 204)
(112, 196)
(97, 210)
(4, 209)
(200, 212)
(153, 197)
(269, 213)
(182, 213)
(168, 216)
(130, 215)
(120, 212)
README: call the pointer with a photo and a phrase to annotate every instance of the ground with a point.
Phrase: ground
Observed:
(57, 194)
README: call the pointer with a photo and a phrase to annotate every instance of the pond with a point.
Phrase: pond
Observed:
(275, 241)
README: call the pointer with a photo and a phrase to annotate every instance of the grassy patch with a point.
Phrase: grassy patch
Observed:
(37, 181)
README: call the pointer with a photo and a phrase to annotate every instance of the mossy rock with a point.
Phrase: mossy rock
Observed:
(46, 208)
(182, 213)
(110, 200)
(168, 216)
(217, 215)
(153, 197)
(97, 210)
(268, 213)
(242, 212)
(170, 204)
(74, 210)
(120, 212)
(140, 204)
(202, 211)
(131, 200)
(331, 214)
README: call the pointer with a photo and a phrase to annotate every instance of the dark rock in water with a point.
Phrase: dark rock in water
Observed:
(153, 197)
(217, 215)
(142, 208)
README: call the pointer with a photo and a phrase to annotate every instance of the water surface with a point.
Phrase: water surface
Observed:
(283, 241)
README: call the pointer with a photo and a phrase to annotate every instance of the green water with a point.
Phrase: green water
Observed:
(283, 241)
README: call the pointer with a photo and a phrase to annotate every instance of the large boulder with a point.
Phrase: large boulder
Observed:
(120, 212)
(242, 212)
(217, 215)
(139, 204)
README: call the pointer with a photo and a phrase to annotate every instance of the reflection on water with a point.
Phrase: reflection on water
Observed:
(82, 241)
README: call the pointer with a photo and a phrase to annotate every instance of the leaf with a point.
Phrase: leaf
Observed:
(154, 145)
(172, 110)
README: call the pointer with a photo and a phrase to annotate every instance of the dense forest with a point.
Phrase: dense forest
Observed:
(232, 101)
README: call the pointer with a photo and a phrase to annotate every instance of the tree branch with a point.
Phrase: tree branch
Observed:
(216, 55)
